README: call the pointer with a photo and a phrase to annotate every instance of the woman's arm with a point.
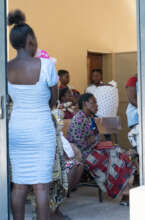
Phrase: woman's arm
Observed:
(80, 133)
(132, 95)
(91, 139)
(54, 96)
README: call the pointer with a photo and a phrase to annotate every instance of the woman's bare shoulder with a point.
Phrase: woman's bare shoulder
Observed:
(28, 63)
(11, 65)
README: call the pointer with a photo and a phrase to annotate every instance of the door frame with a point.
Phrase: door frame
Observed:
(4, 183)
(141, 81)
(4, 186)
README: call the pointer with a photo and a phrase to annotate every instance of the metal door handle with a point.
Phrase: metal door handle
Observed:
(1, 107)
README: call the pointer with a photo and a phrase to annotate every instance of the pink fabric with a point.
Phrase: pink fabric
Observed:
(42, 54)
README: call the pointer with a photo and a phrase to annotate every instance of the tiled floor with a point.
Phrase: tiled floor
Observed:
(84, 205)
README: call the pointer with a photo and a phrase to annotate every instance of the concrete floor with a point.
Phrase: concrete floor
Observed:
(84, 205)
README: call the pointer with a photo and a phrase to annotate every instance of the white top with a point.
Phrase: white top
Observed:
(107, 99)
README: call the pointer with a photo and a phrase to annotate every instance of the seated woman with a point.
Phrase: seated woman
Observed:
(72, 155)
(67, 103)
(111, 168)
(64, 78)
(106, 95)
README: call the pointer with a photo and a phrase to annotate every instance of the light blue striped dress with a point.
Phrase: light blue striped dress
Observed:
(32, 137)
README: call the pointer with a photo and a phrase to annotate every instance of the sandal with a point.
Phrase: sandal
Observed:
(125, 200)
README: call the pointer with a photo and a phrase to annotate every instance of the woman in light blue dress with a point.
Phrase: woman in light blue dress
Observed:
(32, 138)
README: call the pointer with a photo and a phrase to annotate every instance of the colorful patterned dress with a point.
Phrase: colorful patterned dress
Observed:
(111, 168)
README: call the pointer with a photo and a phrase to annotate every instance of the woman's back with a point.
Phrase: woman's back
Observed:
(32, 137)
(31, 130)
(25, 70)
(31, 91)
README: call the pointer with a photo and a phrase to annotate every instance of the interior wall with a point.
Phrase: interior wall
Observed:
(108, 67)
(120, 67)
(125, 67)
(68, 29)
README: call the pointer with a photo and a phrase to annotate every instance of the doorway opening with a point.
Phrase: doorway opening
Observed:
(103, 61)
(112, 65)
(94, 61)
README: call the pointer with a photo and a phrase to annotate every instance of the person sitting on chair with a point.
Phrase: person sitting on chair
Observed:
(111, 168)
(72, 155)
(67, 104)
(132, 112)
(64, 78)
(133, 122)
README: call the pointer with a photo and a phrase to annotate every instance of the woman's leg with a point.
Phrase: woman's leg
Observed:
(80, 169)
(41, 192)
(129, 186)
(74, 176)
(125, 193)
(19, 193)
(71, 176)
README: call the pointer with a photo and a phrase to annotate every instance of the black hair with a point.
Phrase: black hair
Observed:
(93, 71)
(20, 30)
(62, 93)
(62, 72)
(96, 70)
(84, 98)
